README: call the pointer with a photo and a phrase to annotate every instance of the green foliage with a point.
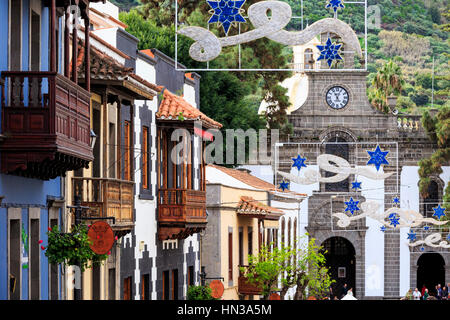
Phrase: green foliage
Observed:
(438, 129)
(289, 266)
(199, 293)
(72, 248)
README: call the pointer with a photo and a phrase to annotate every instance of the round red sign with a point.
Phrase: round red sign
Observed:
(216, 288)
(101, 236)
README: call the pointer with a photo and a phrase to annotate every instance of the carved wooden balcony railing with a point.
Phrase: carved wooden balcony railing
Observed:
(107, 198)
(245, 287)
(181, 213)
(46, 124)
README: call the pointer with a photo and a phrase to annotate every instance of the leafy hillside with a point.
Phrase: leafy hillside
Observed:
(412, 33)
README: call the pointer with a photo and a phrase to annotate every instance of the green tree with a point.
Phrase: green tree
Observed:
(199, 293)
(388, 81)
(438, 129)
(279, 269)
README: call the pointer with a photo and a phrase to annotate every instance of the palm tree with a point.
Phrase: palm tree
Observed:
(388, 81)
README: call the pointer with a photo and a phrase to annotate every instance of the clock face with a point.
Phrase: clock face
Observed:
(337, 97)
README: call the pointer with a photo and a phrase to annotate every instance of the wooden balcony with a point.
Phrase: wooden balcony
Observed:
(181, 213)
(107, 198)
(46, 124)
(245, 287)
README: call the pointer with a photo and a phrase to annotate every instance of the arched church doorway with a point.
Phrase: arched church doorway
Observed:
(340, 260)
(430, 271)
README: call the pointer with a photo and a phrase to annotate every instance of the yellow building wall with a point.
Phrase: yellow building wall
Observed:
(230, 198)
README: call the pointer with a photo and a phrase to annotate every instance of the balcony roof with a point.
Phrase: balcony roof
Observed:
(106, 69)
(248, 206)
(172, 106)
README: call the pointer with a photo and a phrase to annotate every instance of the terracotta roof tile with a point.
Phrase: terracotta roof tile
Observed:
(172, 106)
(251, 180)
(249, 207)
(148, 52)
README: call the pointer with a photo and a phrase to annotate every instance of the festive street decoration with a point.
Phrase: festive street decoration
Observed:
(208, 46)
(334, 164)
(394, 218)
(396, 200)
(405, 217)
(335, 4)
(329, 52)
(284, 185)
(299, 162)
(226, 13)
(378, 157)
(412, 235)
(356, 185)
(352, 206)
(439, 212)
(434, 240)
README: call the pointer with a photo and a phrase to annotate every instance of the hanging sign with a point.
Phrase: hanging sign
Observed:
(216, 288)
(101, 236)
(274, 296)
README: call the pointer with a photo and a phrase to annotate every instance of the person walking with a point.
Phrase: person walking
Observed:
(425, 295)
(439, 292)
(416, 294)
(444, 293)
(344, 291)
(423, 290)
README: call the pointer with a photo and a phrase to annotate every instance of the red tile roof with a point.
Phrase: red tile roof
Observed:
(251, 180)
(249, 207)
(173, 106)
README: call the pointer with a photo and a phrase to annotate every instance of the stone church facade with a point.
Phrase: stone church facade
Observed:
(318, 123)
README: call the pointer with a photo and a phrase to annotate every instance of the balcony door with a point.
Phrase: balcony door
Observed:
(35, 36)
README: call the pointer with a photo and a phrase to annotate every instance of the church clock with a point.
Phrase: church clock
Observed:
(337, 97)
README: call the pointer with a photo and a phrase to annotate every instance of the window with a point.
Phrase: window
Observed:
(250, 241)
(14, 259)
(175, 284)
(112, 284)
(15, 48)
(191, 277)
(34, 259)
(166, 286)
(241, 246)
(337, 147)
(112, 150)
(230, 255)
(432, 200)
(35, 54)
(145, 287)
(145, 157)
(127, 288)
(127, 154)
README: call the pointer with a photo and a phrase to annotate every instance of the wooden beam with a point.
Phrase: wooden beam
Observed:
(53, 36)
(74, 47)
(67, 43)
(87, 51)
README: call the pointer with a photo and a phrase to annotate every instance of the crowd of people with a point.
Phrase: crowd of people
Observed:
(440, 293)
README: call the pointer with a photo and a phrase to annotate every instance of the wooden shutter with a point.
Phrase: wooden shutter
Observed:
(144, 157)
(230, 255)
(127, 154)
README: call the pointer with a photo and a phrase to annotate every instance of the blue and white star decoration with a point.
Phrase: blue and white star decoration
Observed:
(284, 185)
(299, 162)
(396, 200)
(412, 235)
(377, 157)
(448, 237)
(383, 229)
(329, 52)
(426, 228)
(439, 212)
(226, 13)
(352, 206)
(356, 185)
(335, 4)
(394, 219)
